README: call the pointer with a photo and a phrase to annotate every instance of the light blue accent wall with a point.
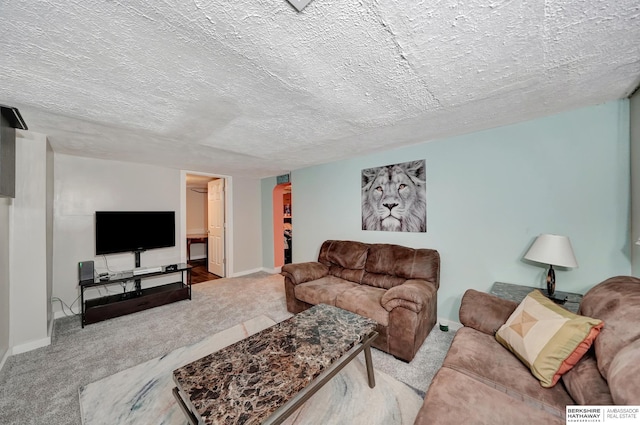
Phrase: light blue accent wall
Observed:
(634, 137)
(489, 194)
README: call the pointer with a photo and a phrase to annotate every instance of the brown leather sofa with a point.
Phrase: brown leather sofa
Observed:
(394, 285)
(481, 382)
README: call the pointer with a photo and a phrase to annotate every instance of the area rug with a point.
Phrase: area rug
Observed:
(142, 394)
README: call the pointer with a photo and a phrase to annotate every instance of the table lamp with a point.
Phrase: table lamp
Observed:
(554, 250)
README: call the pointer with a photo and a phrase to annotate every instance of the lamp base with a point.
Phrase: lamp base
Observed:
(557, 300)
(551, 281)
(551, 287)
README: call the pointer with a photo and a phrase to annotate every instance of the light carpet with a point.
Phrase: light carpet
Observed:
(142, 394)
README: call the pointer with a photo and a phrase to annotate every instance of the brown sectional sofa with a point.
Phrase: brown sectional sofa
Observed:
(394, 285)
(481, 382)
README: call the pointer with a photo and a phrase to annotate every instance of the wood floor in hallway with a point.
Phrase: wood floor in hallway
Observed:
(199, 272)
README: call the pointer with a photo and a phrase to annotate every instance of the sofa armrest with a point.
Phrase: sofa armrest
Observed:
(413, 294)
(304, 272)
(484, 312)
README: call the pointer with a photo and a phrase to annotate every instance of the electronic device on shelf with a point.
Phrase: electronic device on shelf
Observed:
(85, 270)
(135, 232)
(134, 299)
(171, 267)
(146, 270)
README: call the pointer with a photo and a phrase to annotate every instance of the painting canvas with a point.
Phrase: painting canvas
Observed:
(394, 197)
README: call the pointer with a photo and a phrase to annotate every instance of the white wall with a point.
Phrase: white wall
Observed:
(489, 194)
(49, 231)
(5, 312)
(246, 221)
(83, 186)
(28, 271)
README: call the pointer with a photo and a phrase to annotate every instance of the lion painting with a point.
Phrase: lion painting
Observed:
(394, 197)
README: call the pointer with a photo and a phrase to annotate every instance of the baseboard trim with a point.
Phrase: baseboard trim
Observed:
(4, 358)
(29, 346)
(272, 271)
(23, 348)
(50, 328)
(246, 272)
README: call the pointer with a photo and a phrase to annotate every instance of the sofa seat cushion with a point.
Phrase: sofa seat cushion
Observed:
(455, 398)
(365, 301)
(478, 355)
(586, 385)
(323, 291)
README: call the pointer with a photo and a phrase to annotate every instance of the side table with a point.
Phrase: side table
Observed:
(517, 293)
(198, 238)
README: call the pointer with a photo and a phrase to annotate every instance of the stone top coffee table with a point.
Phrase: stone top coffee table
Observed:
(269, 375)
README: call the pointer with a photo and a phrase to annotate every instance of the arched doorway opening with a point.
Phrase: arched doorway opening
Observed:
(282, 225)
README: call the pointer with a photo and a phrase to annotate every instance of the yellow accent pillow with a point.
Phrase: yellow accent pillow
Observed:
(548, 339)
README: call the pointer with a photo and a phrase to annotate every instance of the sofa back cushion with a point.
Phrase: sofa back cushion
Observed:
(345, 259)
(616, 301)
(623, 375)
(390, 265)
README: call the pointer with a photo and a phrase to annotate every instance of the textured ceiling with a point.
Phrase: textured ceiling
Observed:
(253, 87)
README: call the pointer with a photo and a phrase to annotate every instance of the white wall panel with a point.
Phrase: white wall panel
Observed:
(5, 205)
(28, 258)
(83, 186)
(246, 222)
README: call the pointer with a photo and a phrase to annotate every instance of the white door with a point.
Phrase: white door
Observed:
(215, 224)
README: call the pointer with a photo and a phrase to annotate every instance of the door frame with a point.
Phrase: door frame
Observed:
(228, 212)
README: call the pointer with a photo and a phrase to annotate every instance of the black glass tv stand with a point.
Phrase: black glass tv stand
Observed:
(138, 299)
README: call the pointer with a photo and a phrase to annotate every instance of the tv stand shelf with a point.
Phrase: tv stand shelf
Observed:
(110, 306)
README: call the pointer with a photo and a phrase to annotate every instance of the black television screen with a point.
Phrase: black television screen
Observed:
(130, 231)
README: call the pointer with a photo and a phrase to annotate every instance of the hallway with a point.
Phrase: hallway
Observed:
(199, 272)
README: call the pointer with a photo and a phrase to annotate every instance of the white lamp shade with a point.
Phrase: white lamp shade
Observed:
(552, 249)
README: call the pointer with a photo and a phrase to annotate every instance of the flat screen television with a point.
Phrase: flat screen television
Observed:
(134, 231)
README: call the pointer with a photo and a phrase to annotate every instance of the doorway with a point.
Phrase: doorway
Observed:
(282, 225)
(205, 225)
